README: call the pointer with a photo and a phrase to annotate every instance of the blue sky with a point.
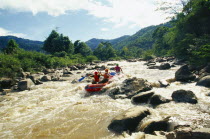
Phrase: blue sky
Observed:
(78, 19)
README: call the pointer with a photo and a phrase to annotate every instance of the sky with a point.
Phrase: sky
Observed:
(77, 19)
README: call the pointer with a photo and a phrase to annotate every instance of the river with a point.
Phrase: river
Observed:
(64, 110)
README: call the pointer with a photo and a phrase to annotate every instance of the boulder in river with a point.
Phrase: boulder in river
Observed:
(128, 120)
(6, 83)
(149, 126)
(46, 78)
(184, 96)
(142, 97)
(25, 84)
(184, 74)
(189, 133)
(164, 66)
(131, 87)
(205, 81)
(158, 99)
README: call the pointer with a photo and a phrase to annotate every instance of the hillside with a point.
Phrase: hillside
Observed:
(93, 43)
(25, 44)
(142, 39)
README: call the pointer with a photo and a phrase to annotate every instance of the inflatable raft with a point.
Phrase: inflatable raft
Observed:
(97, 87)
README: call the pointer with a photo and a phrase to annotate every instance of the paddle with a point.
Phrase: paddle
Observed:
(81, 79)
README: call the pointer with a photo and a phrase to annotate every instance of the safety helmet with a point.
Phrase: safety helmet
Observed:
(95, 73)
(106, 70)
(117, 64)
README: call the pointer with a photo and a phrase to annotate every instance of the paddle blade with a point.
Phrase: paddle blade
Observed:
(112, 73)
(81, 79)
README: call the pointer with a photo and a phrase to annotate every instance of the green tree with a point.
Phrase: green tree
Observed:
(58, 43)
(12, 47)
(82, 48)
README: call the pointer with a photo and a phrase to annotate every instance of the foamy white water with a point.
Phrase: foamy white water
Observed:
(64, 110)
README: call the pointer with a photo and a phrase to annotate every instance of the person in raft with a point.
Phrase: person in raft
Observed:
(118, 69)
(96, 78)
(106, 76)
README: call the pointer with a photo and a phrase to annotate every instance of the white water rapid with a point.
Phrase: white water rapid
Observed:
(64, 110)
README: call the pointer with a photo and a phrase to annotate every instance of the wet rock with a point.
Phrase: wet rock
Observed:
(189, 133)
(6, 83)
(47, 71)
(153, 67)
(46, 78)
(163, 83)
(158, 99)
(150, 126)
(25, 74)
(206, 69)
(74, 68)
(184, 74)
(128, 120)
(36, 78)
(142, 97)
(131, 87)
(184, 96)
(160, 59)
(25, 84)
(205, 81)
(164, 66)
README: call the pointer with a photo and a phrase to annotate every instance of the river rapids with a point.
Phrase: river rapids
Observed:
(63, 109)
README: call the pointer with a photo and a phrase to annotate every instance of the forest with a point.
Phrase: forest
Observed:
(186, 36)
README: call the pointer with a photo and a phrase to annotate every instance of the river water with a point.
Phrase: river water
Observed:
(64, 110)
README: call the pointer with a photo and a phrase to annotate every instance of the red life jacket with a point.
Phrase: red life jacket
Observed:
(96, 77)
(117, 69)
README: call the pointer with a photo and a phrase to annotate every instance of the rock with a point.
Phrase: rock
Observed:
(47, 71)
(163, 83)
(36, 78)
(153, 67)
(5, 91)
(74, 68)
(6, 83)
(164, 66)
(205, 81)
(158, 99)
(46, 78)
(184, 74)
(208, 94)
(25, 84)
(142, 97)
(131, 87)
(25, 74)
(155, 125)
(128, 120)
(188, 133)
(184, 96)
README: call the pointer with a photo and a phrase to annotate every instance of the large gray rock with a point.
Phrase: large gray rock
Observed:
(36, 78)
(184, 74)
(189, 133)
(184, 96)
(6, 83)
(25, 84)
(164, 66)
(131, 87)
(205, 81)
(158, 99)
(149, 126)
(128, 120)
(46, 78)
(142, 97)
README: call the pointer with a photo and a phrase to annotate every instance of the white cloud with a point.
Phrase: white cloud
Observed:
(4, 32)
(104, 29)
(120, 12)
